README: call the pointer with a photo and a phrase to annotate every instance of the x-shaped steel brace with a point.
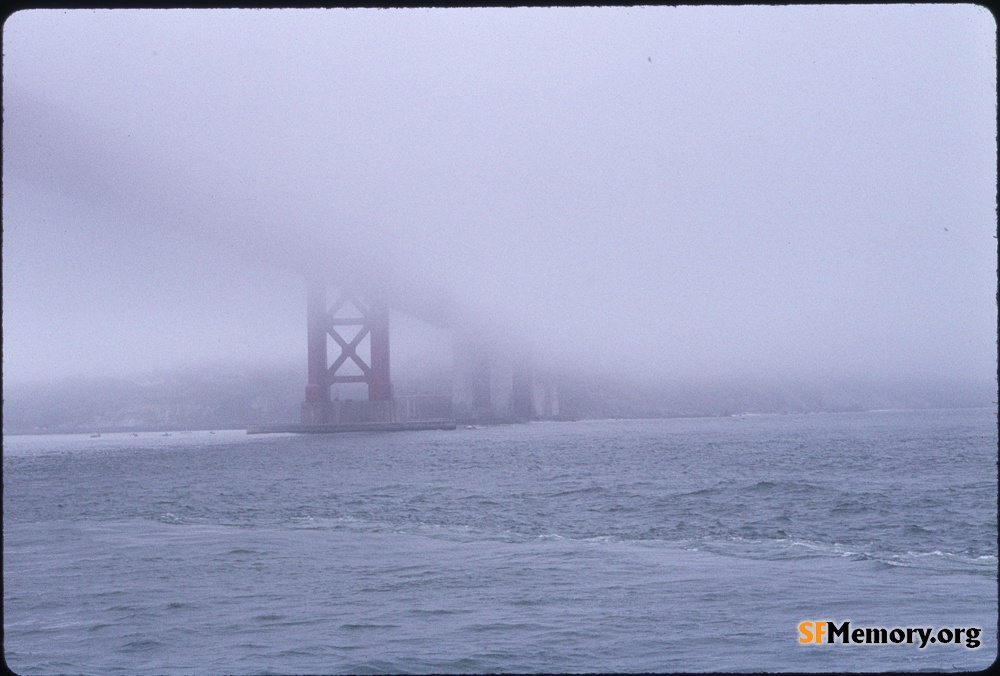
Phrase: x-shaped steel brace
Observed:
(349, 350)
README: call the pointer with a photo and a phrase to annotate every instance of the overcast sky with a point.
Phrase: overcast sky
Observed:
(675, 191)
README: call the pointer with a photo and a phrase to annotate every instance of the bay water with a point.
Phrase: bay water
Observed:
(595, 546)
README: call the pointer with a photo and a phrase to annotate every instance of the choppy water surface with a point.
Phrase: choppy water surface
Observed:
(657, 545)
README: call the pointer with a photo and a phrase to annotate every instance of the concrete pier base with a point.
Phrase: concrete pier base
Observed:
(399, 409)
(417, 412)
(302, 428)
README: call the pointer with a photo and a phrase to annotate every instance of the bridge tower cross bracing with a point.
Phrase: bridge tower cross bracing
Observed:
(370, 319)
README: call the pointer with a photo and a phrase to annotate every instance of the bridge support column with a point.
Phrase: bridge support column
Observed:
(545, 397)
(471, 379)
(316, 407)
(494, 382)
(379, 383)
(523, 376)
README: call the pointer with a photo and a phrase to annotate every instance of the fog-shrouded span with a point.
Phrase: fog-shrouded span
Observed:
(675, 193)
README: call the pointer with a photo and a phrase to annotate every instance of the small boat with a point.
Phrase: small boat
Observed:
(95, 435)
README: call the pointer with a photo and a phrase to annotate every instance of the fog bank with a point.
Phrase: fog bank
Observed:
(755, 193)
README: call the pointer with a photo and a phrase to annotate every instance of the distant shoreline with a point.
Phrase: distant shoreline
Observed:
(118, 430)
(242, 428)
